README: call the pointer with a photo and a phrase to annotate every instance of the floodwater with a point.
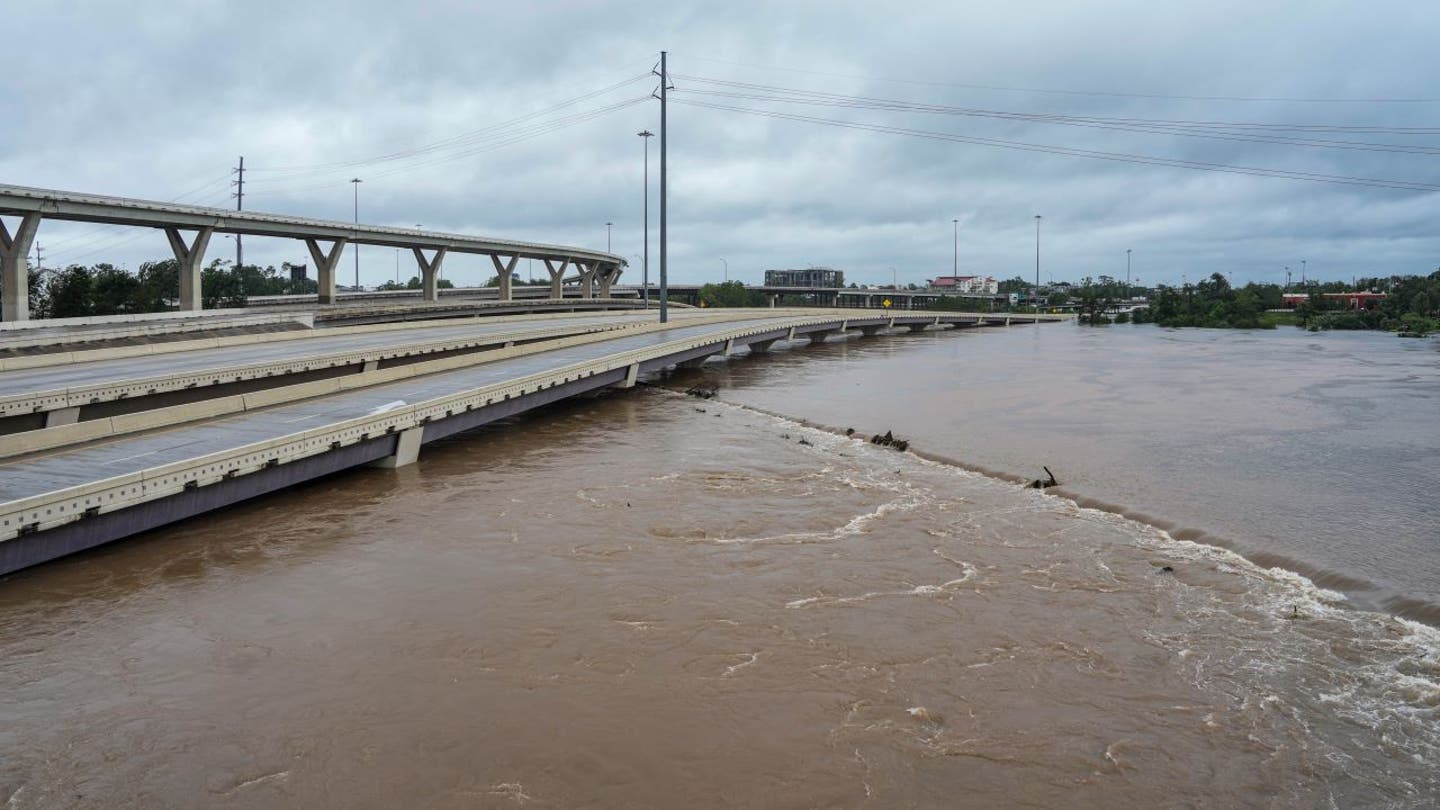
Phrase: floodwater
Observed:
(650, 600)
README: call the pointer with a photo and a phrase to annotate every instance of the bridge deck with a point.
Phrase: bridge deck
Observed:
(70, 498)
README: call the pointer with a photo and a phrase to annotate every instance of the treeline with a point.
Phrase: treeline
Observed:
(1411, 305)
(1213, 304)
(79, 291)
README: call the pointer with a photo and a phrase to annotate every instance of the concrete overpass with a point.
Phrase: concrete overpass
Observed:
(188, 229)
(139, 459)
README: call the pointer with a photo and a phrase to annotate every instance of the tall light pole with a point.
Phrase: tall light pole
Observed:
(727, 269)
(355, 181)
(664, 278)
(955, 266)
(646, 135)
(607, 236)
(1037, 260)
(1127, 272)
(1302, 271)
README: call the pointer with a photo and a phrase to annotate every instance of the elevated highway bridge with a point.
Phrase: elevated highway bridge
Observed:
(99, 444)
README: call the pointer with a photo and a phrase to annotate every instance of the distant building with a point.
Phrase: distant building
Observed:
(297, 271)
(809, 277)
(966, 285)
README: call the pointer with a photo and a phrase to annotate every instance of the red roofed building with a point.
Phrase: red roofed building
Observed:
(966, 285)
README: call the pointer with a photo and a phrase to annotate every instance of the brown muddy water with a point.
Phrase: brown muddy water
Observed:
(649, 600)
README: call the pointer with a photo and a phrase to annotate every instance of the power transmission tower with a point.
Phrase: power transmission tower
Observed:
(38, 264)
(239, 184)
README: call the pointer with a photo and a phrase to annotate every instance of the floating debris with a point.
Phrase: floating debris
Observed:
(1045, 483)
(805, 442)
(889, 440)
(1167, 569)
(703, 391)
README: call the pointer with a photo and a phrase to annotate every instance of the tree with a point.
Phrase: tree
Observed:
(730, 294)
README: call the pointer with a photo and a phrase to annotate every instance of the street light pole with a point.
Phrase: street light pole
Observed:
(356, 183)
(1037, 260)
(727, 269)
(955, 267)
(607, 236)
(1127, 272)
(664, 277)
(645, 272)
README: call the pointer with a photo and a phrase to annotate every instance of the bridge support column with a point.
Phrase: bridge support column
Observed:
(62, 416)
(871, 331)
(429, 272)
(631, 375)
(504, 273)
(761, 346)
(557, 277)
(15, 268)
(817, 337)
(917, 327)
(407, 449)
(608, 277)
(325, 267)
(189, 257)
(587, 278)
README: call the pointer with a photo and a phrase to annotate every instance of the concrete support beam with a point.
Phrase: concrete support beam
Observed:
(587, 278)
(407, 449)
(871, 331)
(429, 272)
(190, 258)
(608, 276)
(62, 416)
(631, 375)
(917, 327)
(15, 268)
(325, 266)
(557, 277)
(761, 346)
(505, 273)
(818, 337)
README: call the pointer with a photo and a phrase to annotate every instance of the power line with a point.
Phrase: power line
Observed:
(1075, 152)
(1066, 92)
(1246, 127)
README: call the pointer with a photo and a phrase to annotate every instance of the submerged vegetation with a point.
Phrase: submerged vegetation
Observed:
(103, 289)
(1410, 306)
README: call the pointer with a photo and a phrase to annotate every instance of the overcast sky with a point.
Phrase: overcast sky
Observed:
(156, 99)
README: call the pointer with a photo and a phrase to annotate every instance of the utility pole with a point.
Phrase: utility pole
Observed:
(1037, 261)
(727, 269)
(664, 267)
(646, 135)
(1302, 271)
(955, 268)
(355, 181)
(239, 184)
(1127, 272)
(1287, 278)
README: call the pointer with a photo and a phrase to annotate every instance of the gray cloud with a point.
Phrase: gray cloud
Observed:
(156, 99)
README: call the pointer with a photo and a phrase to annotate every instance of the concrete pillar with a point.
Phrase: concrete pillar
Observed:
(325, 267)
(917, 327)
(504, 272)
(608, 276)
(631, 375)
(189, 257)
(761, 346)
(587, 278)
(62, 416)
(557, 277)
(429, 272)
(15, 268)
(871, 331)
(407, 449)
